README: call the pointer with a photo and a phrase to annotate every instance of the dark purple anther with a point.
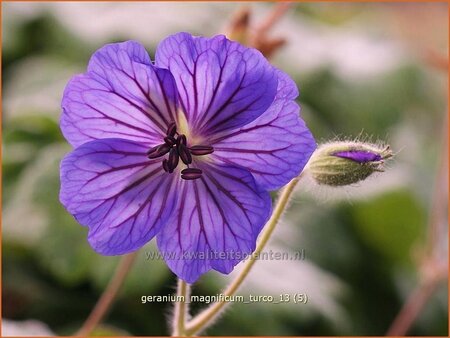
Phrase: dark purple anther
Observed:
(185, 155)
(181, 139)
(152, 150)
(170, 140)
(165, 165)
(178, 149)
(201, 150)
(173, 160)
(171, 130)
(361, 156)
(158, 151)
(191, 173)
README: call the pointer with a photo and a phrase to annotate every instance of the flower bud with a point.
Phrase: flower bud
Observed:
(344, 163)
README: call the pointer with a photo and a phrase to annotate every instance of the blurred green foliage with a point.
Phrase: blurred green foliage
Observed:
(51, 274)
(391, 224)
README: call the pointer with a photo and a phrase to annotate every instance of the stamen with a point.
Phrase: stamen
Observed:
(199, 150)
(152, 150)
(165, 165)
(191, 173)
(158, 151)
(181, 139)
(171, 130)
(173, 160)
(170, 140)
(185, 155)
(183, 151)
(176, 145)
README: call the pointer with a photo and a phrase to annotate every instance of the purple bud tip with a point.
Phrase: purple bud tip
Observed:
(199, 150)
(191, 173)
(361, 156)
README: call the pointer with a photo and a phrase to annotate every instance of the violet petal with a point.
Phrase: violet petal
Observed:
(113, 188)
(276, 146)
(121, 96)
(222, 84)
(222, 212)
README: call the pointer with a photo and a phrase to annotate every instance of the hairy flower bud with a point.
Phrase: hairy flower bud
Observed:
(344, 163)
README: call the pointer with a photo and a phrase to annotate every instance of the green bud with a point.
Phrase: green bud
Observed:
(343, 163)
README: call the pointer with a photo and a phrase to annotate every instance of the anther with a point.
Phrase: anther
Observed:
(199, 150)
(181, 139)
(169, 140)
(173, 160)
(185, 155)
(183, 150)
(176, 145)
(165, 165)
(191, 173)
(172, 129)
(158, 151)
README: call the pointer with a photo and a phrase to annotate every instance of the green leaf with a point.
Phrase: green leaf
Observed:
(392, 223)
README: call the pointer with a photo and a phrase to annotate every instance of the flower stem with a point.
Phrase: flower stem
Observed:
(108, 296)
(432, 267)
(274, 16)
(181, 309)
(206, 317)
(411, 309)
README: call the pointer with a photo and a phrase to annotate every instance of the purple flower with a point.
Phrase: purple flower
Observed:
(184, 149)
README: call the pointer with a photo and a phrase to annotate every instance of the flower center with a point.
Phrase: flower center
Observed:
(175, 145)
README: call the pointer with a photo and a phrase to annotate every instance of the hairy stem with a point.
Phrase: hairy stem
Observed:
(181, 309)
(108, 296)
(413, 306)
(207, 316)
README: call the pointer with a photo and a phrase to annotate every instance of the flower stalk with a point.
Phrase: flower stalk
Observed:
(181, 309)
(432, 267)
(107, 298)
(204, 319)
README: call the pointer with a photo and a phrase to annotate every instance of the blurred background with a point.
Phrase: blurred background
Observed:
(377, 71)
